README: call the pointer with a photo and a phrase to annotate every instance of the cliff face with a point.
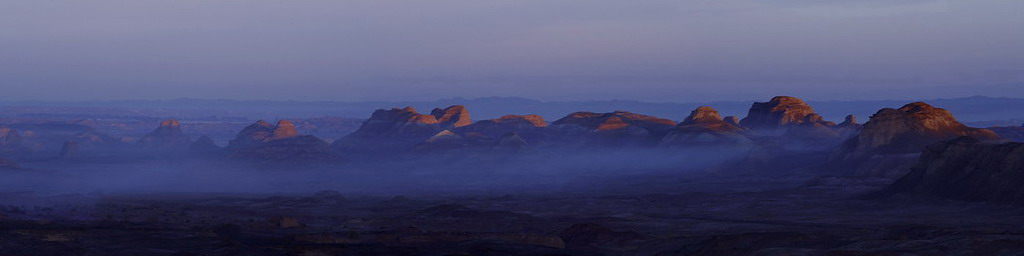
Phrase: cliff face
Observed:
(967, 169)
(704, 126)
(901, 133)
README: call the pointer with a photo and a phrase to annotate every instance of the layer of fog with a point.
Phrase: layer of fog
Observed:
(539, 171)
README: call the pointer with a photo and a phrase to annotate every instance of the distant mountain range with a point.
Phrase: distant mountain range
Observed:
(985, 111)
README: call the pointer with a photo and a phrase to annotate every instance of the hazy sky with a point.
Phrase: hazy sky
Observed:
(545, 49)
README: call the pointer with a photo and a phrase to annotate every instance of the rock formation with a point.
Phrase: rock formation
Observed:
(967, 169)
(813, 127)
(848, 128)
(452, 117)
(252, 135)
(851, 120)
(280, 142)
(167, 136)
(779, 112)
(704, 127)
(284, 129)
(619, 128)
(890, 140)
(399, 129)
(529, 127)
(393, 130)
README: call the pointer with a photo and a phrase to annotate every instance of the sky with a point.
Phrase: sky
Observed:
(672, 51)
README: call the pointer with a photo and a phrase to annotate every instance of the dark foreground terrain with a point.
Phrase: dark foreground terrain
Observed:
(735, 215)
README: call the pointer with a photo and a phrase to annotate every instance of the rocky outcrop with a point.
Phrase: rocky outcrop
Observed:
(527, 127)
(908, 129)
(967, 169)
(619, 128)
(851, 120)
(263, 141)
(780, 112)
(452, 117)
(252, 135)
(284, 129)
(704, 127)
(890, 140)
(393, 130)
(167, 136)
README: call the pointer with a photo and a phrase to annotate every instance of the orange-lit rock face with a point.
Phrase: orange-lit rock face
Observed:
(702, 114)
(612, 121)
(704, 126)
(779, 112)
(532, 120)
(910, 128)
(506, 124)
(280, 142)
(170, 123)
(881, 148)
(618, 128)
(284, 129)
(399, 129)
(452, 117)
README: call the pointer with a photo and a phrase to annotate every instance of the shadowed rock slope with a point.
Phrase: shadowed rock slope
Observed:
(967, 169)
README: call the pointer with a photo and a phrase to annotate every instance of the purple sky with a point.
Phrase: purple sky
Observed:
(549, 50)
